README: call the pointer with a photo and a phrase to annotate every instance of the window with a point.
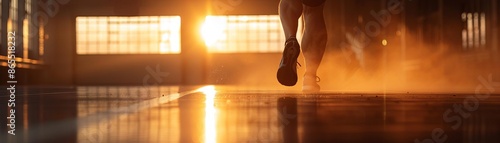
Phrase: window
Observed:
(128, 35)
(11, 23)
(243, 34)
(27, 41)
(474, 31)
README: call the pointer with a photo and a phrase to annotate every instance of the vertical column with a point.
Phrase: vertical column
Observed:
(33, 37)
(441, 24)
(494, 23)
(452, 26)
(3, 29)
(193, 49)
(60, 44)
(19, 28)
(33, 26)
(402, 28)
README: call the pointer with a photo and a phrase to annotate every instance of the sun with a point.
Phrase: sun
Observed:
(213, 29)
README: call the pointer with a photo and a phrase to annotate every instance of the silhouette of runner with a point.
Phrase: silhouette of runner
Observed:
(313, 41)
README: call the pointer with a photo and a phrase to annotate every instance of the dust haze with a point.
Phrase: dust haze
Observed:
(401, 60)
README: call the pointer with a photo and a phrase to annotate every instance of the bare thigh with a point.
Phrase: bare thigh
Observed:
(313, 3)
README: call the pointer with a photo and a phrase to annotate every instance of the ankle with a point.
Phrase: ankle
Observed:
(310, 74)
(311, 78)
(293, 38)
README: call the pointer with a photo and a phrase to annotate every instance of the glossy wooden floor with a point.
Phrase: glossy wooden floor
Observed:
(235, 114)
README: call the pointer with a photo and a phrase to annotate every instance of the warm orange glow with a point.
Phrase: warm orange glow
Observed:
(213, 30)
(384, 42)
(210, 114)
(25, 37)
(9, 24)
(474, 32)
(41, 40)
(174, 26)
(208, 90)
(243, 34)
(128, 35)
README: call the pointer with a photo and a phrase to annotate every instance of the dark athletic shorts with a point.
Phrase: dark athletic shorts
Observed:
(313, 3)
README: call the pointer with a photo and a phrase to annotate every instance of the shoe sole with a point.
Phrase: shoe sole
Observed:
(287, 75)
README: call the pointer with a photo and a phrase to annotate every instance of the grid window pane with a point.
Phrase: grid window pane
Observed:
(128, 35)
(243, 34)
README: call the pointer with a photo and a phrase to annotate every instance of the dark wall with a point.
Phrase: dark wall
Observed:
(60, 47)
(128, 69)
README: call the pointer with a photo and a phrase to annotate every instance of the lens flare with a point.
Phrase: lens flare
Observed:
(212, 30)
(384, 42)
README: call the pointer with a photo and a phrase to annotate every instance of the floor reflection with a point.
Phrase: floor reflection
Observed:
(287, 116)
(36, 111)
(216, 114)
(210, 114)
